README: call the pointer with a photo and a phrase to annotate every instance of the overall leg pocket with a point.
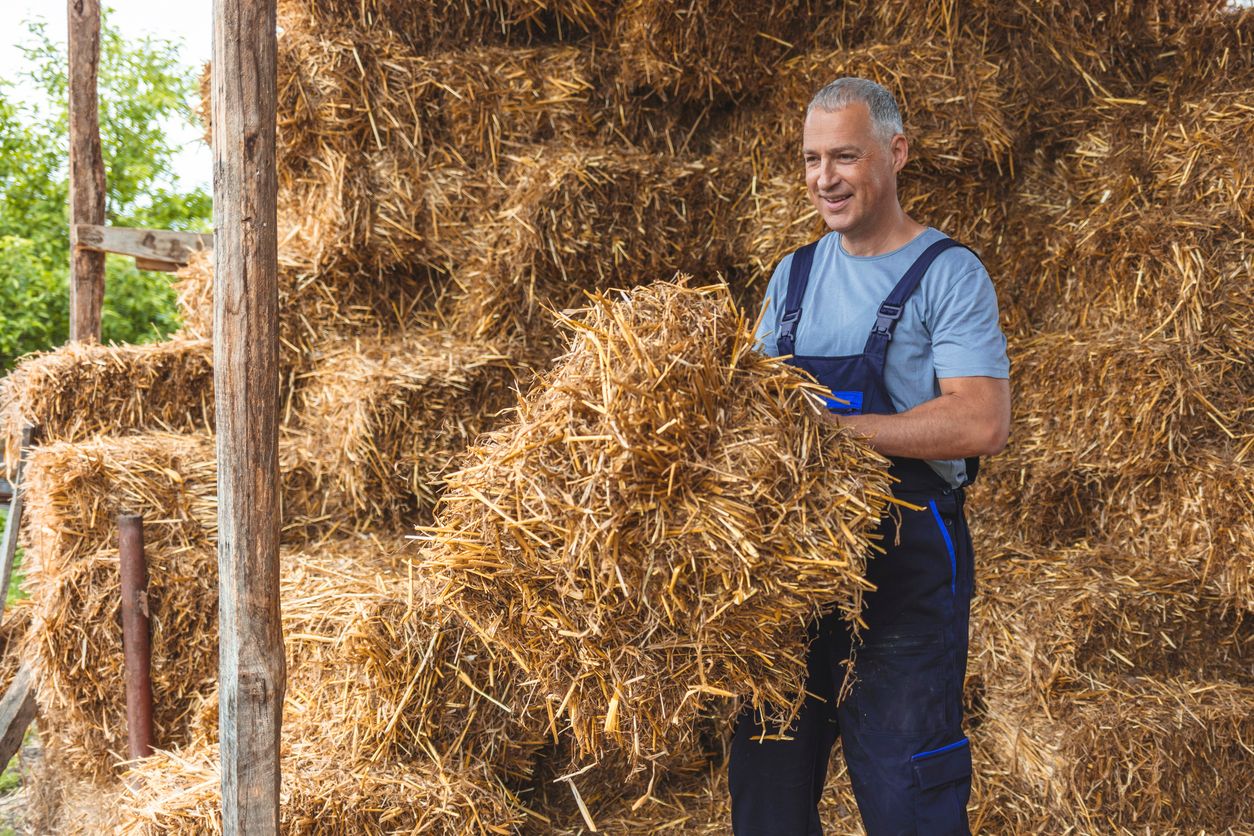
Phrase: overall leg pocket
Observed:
(904, 684)
(943, 784)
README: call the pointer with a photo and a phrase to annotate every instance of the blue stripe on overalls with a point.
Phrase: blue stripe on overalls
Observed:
(901, 724)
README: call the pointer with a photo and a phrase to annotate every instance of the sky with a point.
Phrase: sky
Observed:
(189, 22)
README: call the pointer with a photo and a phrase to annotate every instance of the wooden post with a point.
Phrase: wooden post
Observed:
(136, 637)
(13, 522)
(17, 710)
(87, 178)
(252, 674)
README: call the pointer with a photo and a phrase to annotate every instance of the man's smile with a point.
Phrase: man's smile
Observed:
(834, 203)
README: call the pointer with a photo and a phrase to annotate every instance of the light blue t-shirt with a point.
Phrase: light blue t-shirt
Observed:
(949, 327)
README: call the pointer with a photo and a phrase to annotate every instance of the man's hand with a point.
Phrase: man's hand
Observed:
(970, 418)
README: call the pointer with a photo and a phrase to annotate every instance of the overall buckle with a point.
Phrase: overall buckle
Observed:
(888, 315)
(788, 325)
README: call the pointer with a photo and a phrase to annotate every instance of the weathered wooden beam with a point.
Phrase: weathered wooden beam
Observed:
(166, 247)
(87, 177)
(17, 710)
(13, 522)
(252, 673)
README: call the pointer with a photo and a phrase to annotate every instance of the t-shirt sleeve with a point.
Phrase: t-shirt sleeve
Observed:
(967, 340)
(771, 309)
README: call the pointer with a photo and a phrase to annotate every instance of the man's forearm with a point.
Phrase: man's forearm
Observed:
(947, 427)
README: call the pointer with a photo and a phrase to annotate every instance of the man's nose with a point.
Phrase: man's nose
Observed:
(827, 176)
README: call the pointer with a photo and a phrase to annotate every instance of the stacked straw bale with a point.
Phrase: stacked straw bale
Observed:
(432, 26)
(580, 218)
(1184, 393)
(708, 51)
(80, 659)
(75, 490)
(377, 420)
(384, 716)
(649, 531)
(180, 795)
(82, 389)
(386, 157)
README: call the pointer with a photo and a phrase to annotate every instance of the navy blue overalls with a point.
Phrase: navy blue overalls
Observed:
(901, 724)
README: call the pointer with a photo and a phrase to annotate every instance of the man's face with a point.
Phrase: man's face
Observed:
(851, 174)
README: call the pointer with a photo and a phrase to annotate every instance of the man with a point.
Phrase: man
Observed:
(901, 324)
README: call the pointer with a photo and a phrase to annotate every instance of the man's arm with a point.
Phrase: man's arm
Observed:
(970, 418)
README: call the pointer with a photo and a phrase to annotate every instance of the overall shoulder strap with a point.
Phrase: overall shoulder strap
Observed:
(798, 279)
(890, 309)
(890, 312)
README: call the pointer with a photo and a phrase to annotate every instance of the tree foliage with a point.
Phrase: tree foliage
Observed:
(142, 86)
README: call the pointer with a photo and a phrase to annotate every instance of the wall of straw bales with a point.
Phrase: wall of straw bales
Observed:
(453, 174)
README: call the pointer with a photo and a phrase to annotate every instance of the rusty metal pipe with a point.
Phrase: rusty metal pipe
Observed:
(136, 640)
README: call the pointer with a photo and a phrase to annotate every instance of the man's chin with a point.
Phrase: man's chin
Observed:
(836, 223)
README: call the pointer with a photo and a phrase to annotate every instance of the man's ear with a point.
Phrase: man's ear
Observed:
(900, 147)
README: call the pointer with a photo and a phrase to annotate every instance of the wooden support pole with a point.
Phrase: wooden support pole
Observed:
(252, 674)
(87, 177)
(13, 521)
(136, 638)
(17, 710)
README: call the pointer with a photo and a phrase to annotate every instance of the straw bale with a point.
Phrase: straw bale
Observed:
(83, 389)
(178, 792)
(706, 51)
(357, 89)
(317, 306)
(1047, 620)
(1133, 754)
(1056, 57)
(391, 719)
(371, 447)
(381, 675)
(1116, 400)
(1146, 221)
(1114, 684)
(582, 218)
(76, 647)
(426, 25)
(654, 527)
(379, 211)
(1200, 516)
(75, 491)
(384, 154)
(76, 642)
(1183, 536)
(376, 421)
(431, 690)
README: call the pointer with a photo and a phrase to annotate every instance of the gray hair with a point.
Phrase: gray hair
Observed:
(843, 92)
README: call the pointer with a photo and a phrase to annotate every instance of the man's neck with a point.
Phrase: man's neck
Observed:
(902, 231)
